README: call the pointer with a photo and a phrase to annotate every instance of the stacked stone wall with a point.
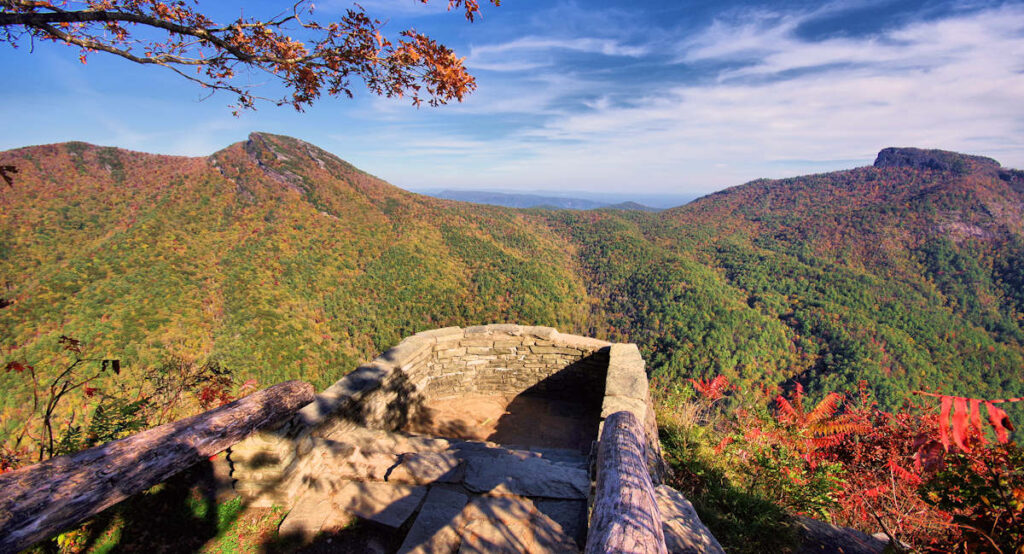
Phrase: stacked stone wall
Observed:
(391, 392)
(508, 360)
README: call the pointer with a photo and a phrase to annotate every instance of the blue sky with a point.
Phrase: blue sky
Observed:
(614, 96)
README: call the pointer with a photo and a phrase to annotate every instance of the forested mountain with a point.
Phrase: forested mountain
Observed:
(279, 260)
(902, 275)
(272, 257)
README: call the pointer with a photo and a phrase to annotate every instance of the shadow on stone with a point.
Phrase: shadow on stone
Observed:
(560, 411)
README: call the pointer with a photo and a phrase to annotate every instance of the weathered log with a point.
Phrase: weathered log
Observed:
(625, 517)
(41, 500)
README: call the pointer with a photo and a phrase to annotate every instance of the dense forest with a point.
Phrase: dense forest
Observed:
(273, 259)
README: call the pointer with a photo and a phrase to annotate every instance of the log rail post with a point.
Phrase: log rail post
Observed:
(625, 516)
(41, 500)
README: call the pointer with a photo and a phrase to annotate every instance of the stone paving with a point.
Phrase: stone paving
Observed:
(446, 495)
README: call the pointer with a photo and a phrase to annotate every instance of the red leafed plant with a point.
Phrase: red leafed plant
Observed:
(860, 466)
(966, 416)
(712, 389)
(821, 427)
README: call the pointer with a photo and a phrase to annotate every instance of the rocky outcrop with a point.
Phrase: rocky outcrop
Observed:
(938, 160)
(820, 537)
(683, 529)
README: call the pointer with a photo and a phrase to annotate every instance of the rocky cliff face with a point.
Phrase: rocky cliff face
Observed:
(940, 160)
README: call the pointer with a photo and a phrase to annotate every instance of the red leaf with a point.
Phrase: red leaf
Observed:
(17, 367)
(903, 474)
(786, 410)
(976, 419)
(89, 391)
(947, 403)
(1000, 422)
(960, 422)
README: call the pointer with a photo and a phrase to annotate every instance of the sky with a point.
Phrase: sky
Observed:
(630, 97)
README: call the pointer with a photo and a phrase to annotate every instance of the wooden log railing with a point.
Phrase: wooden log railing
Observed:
(625, 516)
(39, 501)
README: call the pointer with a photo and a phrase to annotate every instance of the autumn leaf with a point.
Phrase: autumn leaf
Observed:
(947, 405)
(960, 423)
(712, 389)
(999, 421)
(966, 413)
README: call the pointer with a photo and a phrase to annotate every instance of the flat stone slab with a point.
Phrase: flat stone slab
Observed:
(434, 530)
(374, 440)
(509, 524)
(384, 503)
(355, 464)
(683, 529)
(510, 475)
(421, 468)
(570, 514)
(564, 456)
(308, 516)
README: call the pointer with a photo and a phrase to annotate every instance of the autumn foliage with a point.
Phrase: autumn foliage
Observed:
(323, 61)
(712, 389)
(967, 418)
(852, 463)
(87, 402)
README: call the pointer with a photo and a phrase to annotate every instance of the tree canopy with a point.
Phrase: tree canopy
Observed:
(175, 34)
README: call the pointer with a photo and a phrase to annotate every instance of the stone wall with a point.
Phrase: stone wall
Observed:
(390, 393)
(486, 360)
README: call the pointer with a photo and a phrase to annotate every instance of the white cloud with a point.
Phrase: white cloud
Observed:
(784, 106)
(799, 106)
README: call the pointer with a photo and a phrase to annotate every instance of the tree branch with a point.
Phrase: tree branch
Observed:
(352, 46)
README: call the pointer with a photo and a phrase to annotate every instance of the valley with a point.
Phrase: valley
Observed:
(277, 260)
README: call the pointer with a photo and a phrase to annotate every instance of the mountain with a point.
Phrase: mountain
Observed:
(515, 200)
(273, 257)
(904, 276)
(279, 260)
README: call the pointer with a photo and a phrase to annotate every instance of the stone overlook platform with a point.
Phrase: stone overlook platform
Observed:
(483, 439)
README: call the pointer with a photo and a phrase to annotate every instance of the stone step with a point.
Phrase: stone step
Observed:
(480, 467)
(513, 475)
(453, 522)
(568, 456)
(435, 529)
(371, 440)
(450, 495)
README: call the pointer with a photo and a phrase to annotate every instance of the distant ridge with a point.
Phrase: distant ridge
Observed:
(632, 206)
(514, 200)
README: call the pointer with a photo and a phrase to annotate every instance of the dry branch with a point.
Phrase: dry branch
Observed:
(41, 500)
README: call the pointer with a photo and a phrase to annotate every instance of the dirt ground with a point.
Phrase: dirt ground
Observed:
(524, 420)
